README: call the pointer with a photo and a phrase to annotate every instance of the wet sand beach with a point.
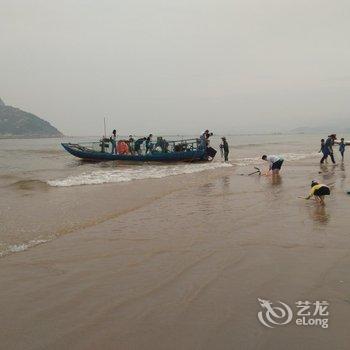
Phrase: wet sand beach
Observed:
(183, 264)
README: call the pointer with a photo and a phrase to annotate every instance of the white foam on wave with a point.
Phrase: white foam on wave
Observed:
(289, 157)
(16, 248)
(135, 173)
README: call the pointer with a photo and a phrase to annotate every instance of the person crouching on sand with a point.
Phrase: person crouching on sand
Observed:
(275, 164)
(319, 191)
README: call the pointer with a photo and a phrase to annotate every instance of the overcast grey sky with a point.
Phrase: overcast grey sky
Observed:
(176, 66)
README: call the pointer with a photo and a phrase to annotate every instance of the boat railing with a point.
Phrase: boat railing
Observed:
(159, 145)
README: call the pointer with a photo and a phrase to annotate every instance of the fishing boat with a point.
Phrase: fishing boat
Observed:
(189, 150)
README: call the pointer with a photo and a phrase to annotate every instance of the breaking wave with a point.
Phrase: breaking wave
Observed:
(124, 175)
(16, 248)
(286, 156)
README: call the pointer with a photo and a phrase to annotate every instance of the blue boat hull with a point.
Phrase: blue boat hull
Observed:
(189, 156)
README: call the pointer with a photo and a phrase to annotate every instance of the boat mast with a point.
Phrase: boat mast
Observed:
(104, 124)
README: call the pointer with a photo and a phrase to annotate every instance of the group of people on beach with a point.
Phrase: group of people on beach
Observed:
(318, 190)
(327, 148)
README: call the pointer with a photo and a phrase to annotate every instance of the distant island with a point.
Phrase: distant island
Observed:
(16, 123)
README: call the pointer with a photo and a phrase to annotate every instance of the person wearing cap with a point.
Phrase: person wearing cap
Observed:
(319, 191)
(225, 149)
(329, 148)
(275, 163)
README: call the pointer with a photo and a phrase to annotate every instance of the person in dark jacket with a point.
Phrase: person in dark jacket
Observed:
(324, 151)
(137, 145)
(149, 143)
(329, 148)
(225, 149)
(342, 148)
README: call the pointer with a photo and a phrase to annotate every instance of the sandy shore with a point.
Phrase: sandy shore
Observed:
(184, 268)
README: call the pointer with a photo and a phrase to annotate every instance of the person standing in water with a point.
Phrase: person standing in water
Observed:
(324, 151)
(319, 191)
(225, 149)
(329, 147)
(113, 140)
(342, 148)
(275, 163)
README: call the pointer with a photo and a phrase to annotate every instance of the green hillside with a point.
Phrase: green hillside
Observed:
(17, 123)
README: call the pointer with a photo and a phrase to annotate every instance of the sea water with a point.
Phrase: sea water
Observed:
(37, 174)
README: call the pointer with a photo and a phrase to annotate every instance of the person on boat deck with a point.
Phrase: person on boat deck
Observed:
(131, 145)
(342, 148)
(162, 144)
(138, 143)
(225, 149)
(204, 139)
(275, 163)
(319, 191)
(149, 143)
(122, 147)
(113, 140)
(329, 148)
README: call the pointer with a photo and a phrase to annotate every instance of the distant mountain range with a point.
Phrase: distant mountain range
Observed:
(17, 123)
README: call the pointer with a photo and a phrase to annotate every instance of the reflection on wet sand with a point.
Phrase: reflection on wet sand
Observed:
(327, 173)
(276, 180)
(342, 175)
(318, 213)
(225, 182)
(275, 183)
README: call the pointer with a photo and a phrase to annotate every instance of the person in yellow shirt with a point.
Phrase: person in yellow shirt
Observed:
(319, 191)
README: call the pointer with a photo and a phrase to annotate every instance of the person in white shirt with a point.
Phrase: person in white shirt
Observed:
(275, 163)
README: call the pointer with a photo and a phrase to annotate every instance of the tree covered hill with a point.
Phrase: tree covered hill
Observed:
(17, 123)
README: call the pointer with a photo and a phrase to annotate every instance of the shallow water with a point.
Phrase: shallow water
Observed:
(45, 159)
(46, 192)
(179, 262)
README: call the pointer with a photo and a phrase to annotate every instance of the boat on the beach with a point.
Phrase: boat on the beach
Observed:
(188, 150)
